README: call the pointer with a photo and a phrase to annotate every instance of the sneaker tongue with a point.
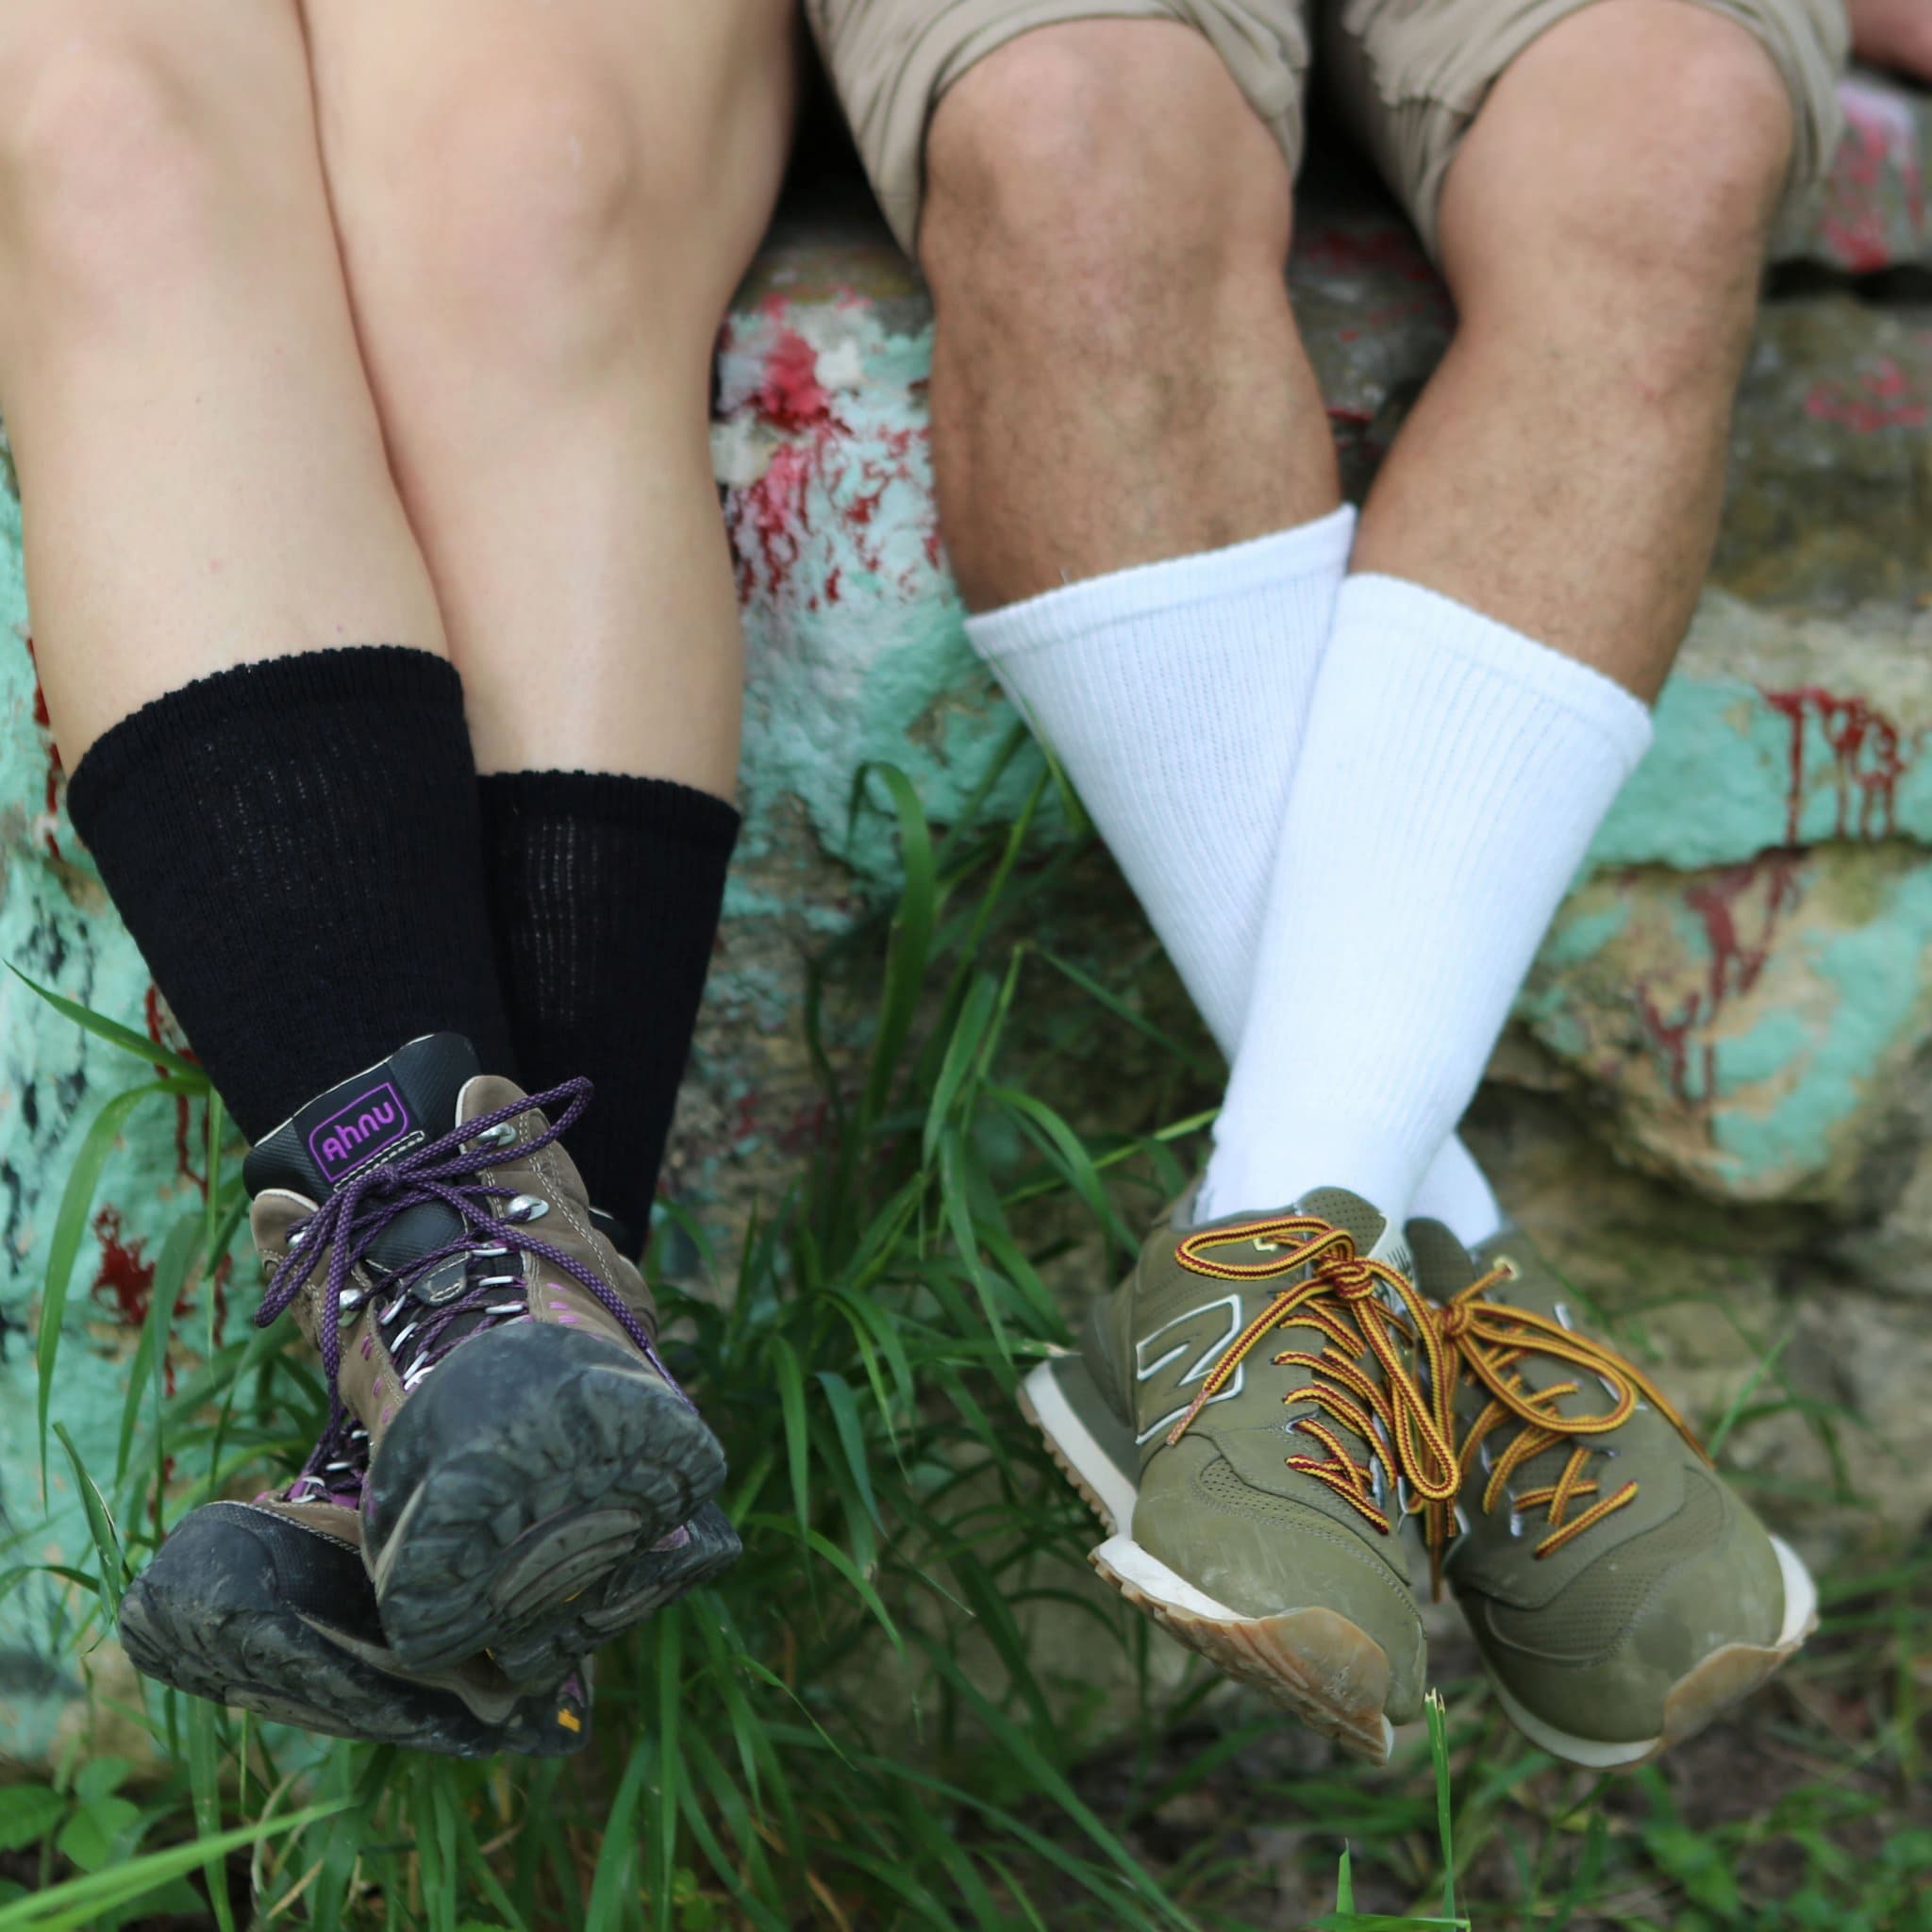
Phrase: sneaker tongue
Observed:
(1375, 1236)
(374, 1117)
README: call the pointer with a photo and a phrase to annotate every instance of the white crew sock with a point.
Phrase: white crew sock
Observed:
(1174, 695)
(1457, 1192)
(1452, 775)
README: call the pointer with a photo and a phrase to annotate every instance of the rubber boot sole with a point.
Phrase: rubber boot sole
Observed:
(1725, 1677)
(690, 1556)
(530, 1469)
(280, 1663)
(1313, 1663)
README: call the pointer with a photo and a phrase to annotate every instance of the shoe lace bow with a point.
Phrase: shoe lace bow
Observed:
(1357, 1304)
(347, 1225)
(1488, 1341)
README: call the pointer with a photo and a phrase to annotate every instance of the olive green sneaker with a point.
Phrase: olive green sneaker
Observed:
(1245, 1420)
(1621, 1594)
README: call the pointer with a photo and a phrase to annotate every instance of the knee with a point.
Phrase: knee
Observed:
(1086, 179)
(1701, 172)
(112, 184)
(530, 215)
(512, 211)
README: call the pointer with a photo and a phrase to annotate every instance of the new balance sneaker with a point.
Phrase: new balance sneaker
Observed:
(528, 1448)
(266, 1607)
(1244, 1418)
(1621, 1594)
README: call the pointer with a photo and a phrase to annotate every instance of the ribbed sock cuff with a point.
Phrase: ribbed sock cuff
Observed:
(658, 806)
(275, 690)
(1314, 549)
(1393, 611)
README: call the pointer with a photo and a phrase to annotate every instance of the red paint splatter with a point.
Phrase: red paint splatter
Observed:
(1736, 965)
(1880, 141)
(126, 1275)
(1869, 757)
(832, 466)
(1881, 399)
(790, 397)
(157, 1029)
(54, 770)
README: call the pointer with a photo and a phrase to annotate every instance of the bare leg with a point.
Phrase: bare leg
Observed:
(543, 212)
(203, 475)
(1603, 232)
(1117, 376)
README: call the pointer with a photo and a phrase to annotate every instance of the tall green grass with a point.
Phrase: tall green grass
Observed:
(886, 1714)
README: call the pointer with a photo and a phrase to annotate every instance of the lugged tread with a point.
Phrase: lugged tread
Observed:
(543, 1527)
(276, 1665)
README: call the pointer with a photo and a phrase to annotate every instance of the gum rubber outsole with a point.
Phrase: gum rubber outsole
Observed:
(1312, 1663)
(535, 1465)
(279, 1666)
(1728, 1676)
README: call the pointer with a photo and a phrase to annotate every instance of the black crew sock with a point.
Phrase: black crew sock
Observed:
(605, 895)
(295, 847)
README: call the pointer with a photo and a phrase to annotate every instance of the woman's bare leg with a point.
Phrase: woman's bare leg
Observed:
(543, 211)
(203, 471)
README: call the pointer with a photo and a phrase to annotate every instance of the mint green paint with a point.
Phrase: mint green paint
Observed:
(1576, 936)
(1878, 973)
(1780, 1045)
(858, 654)
(1709, 792)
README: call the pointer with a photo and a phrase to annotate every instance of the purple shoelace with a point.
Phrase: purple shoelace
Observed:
(357, 1213)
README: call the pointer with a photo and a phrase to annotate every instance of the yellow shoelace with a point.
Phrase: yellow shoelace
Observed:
(1342, 1296)
(1486, 1340)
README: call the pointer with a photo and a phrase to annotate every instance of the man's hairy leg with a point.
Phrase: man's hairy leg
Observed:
(1118, 383)
(1527, 563)
(1116, 378)
(1603, 238)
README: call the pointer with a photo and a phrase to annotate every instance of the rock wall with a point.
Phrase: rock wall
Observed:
(1711, 1103)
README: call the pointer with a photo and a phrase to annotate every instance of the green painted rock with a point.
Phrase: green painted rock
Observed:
(1730, 1002)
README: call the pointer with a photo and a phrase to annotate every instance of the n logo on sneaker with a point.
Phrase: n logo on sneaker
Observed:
(354, 1134)
(1204, 1333)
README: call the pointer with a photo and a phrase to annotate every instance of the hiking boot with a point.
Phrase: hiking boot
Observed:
(1621, 1594)
(528, 1447)
(266, 1607)
(1243, 1419)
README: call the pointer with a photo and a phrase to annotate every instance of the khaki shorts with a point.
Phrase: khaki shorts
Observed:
(1408, 75)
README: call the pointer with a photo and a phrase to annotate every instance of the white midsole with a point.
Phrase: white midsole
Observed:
(1120, 1552)
(1127, 1560)
(1074, 1441)
(1801, 1594)
(1801, 1611)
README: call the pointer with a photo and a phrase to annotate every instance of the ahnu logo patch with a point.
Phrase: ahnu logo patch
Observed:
(370, 1123)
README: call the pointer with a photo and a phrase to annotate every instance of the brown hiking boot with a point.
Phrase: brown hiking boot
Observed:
(266, 1607)
(528, 1446)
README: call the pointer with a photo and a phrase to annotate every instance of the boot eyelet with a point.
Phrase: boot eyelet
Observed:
(1508, 1268)
(503, 1133)
(527, 1207)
